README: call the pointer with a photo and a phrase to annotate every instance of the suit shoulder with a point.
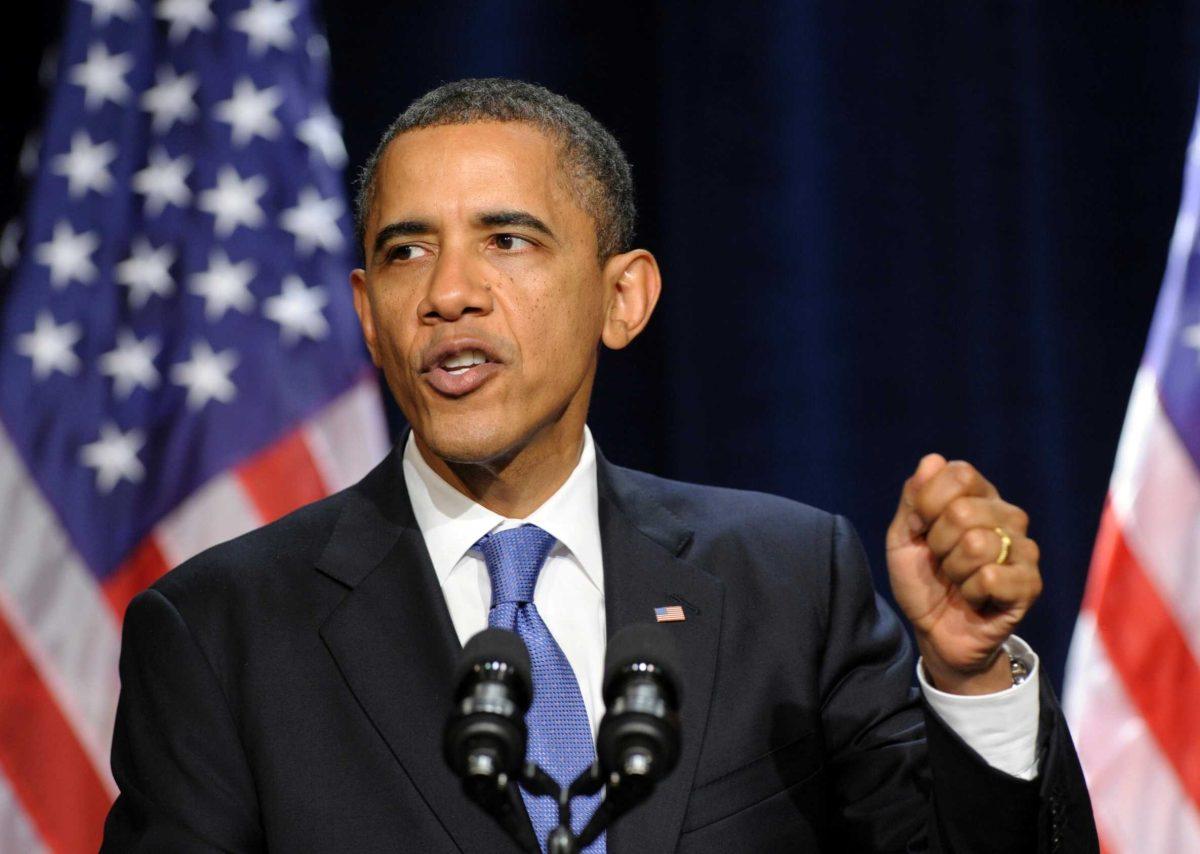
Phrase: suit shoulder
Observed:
(279, 548)
(722, 509)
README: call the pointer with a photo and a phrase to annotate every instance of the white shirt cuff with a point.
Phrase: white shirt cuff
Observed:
(1001, 727)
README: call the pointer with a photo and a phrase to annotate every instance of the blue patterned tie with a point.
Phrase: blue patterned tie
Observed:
(560, 737)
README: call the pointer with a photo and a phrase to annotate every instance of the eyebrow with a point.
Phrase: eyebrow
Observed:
(523, 219)
(401, 228)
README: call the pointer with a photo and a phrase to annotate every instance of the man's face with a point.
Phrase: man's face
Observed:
(482, 299)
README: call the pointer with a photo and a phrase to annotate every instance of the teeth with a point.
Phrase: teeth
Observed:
(464, 360)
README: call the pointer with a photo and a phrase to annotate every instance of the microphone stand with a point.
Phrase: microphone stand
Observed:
(500, 796)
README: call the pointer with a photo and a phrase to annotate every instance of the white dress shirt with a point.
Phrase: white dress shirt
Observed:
(570, 589)
(1000, 727)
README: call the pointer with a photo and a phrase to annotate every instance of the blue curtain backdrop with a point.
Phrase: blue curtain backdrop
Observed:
(885, 228)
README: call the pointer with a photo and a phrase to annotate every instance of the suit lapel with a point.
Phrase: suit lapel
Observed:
(641, 542)
(395, 644)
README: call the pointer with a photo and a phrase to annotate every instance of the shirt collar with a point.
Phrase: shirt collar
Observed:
(451, 523)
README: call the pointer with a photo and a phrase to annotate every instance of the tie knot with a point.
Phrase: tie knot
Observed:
(514, 558)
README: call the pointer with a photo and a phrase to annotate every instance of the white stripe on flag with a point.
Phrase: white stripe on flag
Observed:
(1135, 793)
(1155, 495)
(349, 436)
(56, 607)
(17, 833)
(346, 438)
(218, 511)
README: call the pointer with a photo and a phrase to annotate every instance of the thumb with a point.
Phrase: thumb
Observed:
(906, 524)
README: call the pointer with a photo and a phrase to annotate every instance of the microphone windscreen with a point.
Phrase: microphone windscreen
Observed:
(496, 645)
(641, 643)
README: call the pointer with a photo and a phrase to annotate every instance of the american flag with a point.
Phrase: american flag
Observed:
(1133, 678)
(179, 356)
(669, 614)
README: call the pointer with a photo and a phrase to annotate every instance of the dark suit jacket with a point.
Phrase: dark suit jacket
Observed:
(287, 691)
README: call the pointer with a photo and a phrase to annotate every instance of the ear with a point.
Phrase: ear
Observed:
(362, 306)
(633, 283)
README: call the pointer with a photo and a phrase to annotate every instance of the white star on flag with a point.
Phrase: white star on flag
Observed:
(234, 201)
(317, 47)
(185, 16)
(50, 346)
(250, 111)
(85, 166)
(104, 11)
(146, 272)
(297, 310)
(322, 133)
(206, 375)
(1191, 338)
(267, 24)
(163, 181)
(68, 255)
(224, 285)
(114, 456)
(131, 363)
(170, 99)
(102, 76)
(314, 222)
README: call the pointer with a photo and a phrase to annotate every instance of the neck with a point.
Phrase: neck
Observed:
(518, 483)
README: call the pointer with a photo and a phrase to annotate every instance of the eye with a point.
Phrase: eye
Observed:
(511, 242)
(407, 252)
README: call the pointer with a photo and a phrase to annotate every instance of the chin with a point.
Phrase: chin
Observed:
(467, 440)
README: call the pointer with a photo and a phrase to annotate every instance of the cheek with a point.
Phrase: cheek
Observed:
(394, 327)
(560, 321)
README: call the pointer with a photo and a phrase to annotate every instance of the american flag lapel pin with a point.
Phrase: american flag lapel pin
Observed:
(669, 614)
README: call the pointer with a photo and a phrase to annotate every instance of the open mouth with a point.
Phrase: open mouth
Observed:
(456, 370)
(460, 363)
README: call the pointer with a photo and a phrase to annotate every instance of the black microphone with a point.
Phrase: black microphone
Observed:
(484, 740)
(639, 735)
(638, 742)
(637, 746)
(485, 737)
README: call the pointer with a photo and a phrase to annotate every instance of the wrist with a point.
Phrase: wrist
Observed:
(996, 674)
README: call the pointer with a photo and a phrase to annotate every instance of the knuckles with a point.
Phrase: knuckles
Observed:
(977, 543)
(960, 512)
(965, 473)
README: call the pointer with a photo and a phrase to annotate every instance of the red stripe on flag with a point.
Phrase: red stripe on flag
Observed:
(141, 569)
(282, 477)
(1147, 649)
(49, 771)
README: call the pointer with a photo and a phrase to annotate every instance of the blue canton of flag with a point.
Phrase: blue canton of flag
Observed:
(176, 319)
(181, 297)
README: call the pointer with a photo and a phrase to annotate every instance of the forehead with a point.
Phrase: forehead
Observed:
(455, 169)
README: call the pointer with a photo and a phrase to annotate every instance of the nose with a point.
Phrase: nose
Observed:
(457, 287)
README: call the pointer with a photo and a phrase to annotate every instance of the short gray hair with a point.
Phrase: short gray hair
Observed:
(590, 155)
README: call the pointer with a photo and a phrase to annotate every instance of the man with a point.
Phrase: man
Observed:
(287, 690)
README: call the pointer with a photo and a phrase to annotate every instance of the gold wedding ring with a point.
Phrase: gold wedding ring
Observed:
(1005, 545)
